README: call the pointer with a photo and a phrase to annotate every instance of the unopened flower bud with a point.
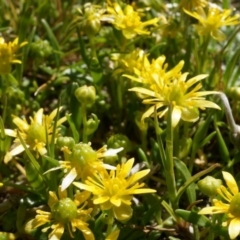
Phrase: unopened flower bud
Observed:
(235, 206)
(118, 141)
(92, 124)
(65, 142)
(64, 210)
(209, 185)
(82, 153)
(86, 95)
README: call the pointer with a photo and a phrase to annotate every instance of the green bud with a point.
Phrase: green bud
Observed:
(86, 95)
(36, 132)
(41, 48)
(64, 210)
(83, 153)
(235, 206)
(92, 124)
(118, 141)
(91, 20)
(234, 93)
(209, 185)
(65, 142)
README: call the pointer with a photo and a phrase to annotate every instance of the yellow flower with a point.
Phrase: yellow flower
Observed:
(129, 21)
(231, 208)
(133, 62)
(156, 71)
(114, 191)
(82, 162)
(35, 135)
(8, 54)
(214, 19)
(64, 212)
(171, 88)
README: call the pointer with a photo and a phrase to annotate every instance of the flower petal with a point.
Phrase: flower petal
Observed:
(68, 179)
(234, 228)
(122, 213)
(231, 183)
(176, 116)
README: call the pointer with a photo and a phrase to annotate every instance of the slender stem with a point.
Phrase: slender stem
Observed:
(84, 121)
(169, 171)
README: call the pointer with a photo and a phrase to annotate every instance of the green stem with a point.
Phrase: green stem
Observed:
(169, 171)
(119, 93)
(84, 121)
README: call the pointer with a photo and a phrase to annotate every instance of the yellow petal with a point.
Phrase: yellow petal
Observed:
(113, 235)
(143, 190)
(231, 183)
(176, 116)
(100, 200)
(122, 213)
(190, 114)
(87, 233)
(57, 232)
(52, 198)
(116, 201)
(212, 210)
(135, 177)
(234, 228)
(68, 179)
(84, 186)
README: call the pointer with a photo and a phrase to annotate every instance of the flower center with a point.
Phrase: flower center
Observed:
(235, 206)
(36, 132)
(64, 210)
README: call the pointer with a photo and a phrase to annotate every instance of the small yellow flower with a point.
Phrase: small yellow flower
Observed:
(64, 212)
(35, 135)
(114, 191)
(231, 208)
(132, 63)
(8, 54)
(171, 88)
(82, 162)
(156, 71)
(210, 22)
(129, 21)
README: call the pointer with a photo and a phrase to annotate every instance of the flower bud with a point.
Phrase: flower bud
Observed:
(86, 95)
(82, 153)
(91, 20)
(234, 93)
(118, 141)
(235, 206)
(92, 124)
(63, 142)
(209, 185)
(64, 210)
(36, 132)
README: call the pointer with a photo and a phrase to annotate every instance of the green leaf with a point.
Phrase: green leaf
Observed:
(53, 41)
(193, 179)
(225, 155)
(182, 168)
(193, 217)
(207, 139)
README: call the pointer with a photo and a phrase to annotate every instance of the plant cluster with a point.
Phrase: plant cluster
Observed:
(119, 119)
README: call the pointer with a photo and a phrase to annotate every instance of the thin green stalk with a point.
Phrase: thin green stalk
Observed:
(84, 122)
(169, 171)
